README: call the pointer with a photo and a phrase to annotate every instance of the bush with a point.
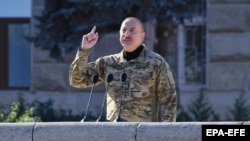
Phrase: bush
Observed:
(200, 109)
(19, 113)
(38, 112)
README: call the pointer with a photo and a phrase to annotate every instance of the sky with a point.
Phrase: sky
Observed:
(15, 8)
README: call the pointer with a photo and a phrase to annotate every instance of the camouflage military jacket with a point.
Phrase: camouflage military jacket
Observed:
(148, 94)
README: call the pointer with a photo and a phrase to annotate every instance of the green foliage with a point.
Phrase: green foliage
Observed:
(200, 109)
(2, 114)
(19, 113)
(47, 113)
(38, 112)
(63, 22)
(45, 110)
(240, 111)
(182, 115)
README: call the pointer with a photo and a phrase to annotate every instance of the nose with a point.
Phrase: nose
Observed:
(126, 33)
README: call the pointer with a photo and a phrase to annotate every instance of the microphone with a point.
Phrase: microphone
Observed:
(123, 78)
(94, 79)
(101, 118)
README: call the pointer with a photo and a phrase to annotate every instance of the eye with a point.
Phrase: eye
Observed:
(123, 31)
(132, 31)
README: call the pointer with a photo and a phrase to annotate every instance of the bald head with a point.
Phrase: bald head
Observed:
(136, 20)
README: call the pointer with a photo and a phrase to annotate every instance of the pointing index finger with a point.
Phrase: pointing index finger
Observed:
(93, 29)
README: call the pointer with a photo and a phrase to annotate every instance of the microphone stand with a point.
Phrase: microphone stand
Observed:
(94, 79)
(101, 118)
(123, 78)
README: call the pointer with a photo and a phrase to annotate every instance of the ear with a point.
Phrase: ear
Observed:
(143, 35)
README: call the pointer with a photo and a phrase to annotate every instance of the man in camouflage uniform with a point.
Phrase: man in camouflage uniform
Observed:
(149, 92)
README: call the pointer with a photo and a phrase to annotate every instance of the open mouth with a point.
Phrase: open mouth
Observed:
(127, 40)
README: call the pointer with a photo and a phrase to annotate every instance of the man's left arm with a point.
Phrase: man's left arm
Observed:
(166, 91)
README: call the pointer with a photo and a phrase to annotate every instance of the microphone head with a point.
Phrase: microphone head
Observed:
(94, 78)
(123, 77)
(109, 78)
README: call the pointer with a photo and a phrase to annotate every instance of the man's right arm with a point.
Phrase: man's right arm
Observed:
(80, 72)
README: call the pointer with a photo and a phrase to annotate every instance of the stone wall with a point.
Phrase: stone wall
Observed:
(229, 44)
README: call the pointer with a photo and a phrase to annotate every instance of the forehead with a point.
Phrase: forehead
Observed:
(130, 23)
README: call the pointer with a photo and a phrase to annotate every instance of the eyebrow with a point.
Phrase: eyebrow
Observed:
(128, 28)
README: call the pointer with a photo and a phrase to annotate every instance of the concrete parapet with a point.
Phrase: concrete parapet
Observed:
(105, 131)
(88, 131)
(16, 131)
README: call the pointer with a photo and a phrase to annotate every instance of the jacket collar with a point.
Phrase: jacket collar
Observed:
(140, 58)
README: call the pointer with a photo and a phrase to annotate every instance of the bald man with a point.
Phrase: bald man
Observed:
(148, 93)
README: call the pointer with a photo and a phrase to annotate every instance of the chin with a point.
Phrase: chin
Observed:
(129, 48)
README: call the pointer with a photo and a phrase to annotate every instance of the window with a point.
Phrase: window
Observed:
(195, 55)
(14, 53)
(192, 51)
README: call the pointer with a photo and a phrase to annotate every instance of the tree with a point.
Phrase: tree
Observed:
(63, 22)
(240, 111)
(200, 109)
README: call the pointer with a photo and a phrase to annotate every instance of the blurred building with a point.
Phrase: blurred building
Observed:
(211, 51)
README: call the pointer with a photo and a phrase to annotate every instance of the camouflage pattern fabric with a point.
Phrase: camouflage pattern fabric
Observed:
(148, 94)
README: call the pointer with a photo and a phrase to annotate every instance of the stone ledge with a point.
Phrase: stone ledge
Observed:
(105, 131)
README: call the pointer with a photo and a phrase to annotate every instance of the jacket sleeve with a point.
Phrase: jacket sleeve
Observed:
(81, 71)
(166, 92)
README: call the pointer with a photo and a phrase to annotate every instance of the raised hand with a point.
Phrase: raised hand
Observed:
(90, 39)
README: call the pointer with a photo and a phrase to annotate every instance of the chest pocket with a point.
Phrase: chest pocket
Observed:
(142, 81)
